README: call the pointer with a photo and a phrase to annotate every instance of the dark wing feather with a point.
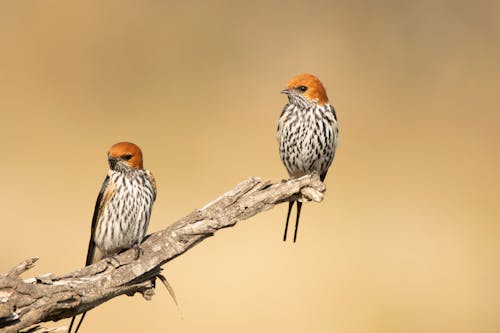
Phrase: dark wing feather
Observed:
(323, 176)
(153, 182)
(95, 218)
(103, 196)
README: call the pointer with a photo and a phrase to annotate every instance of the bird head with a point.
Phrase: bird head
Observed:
(124, 156)
(308, 87)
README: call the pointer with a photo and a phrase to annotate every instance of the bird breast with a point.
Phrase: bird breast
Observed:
(307, 138)
(125, 217)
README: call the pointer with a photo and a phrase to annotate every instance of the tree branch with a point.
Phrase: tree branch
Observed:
(24, 303)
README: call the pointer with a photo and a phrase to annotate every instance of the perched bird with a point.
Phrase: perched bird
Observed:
(123, 206)
(307, 133)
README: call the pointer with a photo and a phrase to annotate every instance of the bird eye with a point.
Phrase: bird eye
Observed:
(302, 88)
(127, 157)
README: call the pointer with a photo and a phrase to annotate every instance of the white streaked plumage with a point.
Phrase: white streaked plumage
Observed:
(307, 133)
(124, 216)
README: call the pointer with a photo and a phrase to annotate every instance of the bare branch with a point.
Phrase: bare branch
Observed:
(24, 303)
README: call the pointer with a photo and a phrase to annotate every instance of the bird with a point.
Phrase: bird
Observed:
(123, 207)
(307, 133)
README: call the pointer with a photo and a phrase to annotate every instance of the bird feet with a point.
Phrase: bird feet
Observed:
(113, 261)
(138, 251)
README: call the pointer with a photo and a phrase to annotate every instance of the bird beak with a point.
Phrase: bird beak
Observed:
(112, 162)
(285, 91)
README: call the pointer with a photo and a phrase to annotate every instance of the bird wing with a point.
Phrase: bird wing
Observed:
(331, 115)
(107, 191)
(153, 182)
(332, 119)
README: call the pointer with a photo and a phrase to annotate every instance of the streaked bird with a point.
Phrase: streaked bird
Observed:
(123, 206)
(307, 133)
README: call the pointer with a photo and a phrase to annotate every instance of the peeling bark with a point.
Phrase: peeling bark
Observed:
(28, 302)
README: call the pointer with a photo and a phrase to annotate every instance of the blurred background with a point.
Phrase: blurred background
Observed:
(408, 236)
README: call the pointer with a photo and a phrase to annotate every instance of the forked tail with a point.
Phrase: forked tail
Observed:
(79, 323)
(290, 206)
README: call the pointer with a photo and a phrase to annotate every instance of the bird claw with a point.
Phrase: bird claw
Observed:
(113, 261)
(138, 251)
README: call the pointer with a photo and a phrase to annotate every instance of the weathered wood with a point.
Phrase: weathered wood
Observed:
(24, 303)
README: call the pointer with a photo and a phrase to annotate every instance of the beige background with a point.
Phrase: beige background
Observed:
(408, 236)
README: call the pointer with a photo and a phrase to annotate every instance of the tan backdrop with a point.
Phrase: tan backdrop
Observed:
(407, 238)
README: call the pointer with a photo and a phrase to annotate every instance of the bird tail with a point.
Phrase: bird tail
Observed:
(299, 207)
(290, 205)
(79, 323)
(71, 324)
